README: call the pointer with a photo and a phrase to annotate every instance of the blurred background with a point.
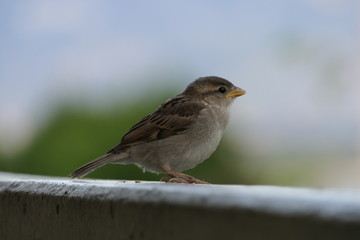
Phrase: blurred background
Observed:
(76, 75)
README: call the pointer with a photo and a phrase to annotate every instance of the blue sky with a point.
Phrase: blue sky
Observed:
(298, 61)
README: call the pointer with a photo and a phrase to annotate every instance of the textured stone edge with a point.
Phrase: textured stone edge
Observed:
(325, 205)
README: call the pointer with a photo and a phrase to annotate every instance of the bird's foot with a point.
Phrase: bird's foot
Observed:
(177, 177)
(176, 180)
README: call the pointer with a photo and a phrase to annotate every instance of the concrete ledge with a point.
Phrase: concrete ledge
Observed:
(35, 207)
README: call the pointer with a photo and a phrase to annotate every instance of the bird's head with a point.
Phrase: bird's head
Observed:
(213, 90)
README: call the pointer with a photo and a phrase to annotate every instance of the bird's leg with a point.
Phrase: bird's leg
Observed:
(173, 179)
(178, 177)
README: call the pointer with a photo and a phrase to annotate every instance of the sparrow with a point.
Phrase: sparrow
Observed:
(180, 134)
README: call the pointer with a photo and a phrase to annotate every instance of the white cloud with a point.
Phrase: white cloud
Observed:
(96, 63)
(16, 127)
(53, 16)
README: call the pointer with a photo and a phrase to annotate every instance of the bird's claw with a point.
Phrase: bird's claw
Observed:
(181, 180)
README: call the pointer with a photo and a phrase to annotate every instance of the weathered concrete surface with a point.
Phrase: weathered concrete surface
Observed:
(33, 207)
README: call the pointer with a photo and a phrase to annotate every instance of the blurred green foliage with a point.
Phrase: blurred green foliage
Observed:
(77, 134)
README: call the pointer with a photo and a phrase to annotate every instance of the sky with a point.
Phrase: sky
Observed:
(298, 61)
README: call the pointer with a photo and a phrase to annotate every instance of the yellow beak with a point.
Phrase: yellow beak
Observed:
(237, 92)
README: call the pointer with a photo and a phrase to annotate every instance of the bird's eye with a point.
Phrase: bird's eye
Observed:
(222, 89)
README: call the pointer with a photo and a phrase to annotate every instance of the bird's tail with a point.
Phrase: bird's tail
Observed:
(91, 166)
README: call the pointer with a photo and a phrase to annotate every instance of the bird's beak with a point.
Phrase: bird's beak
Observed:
(236, 93)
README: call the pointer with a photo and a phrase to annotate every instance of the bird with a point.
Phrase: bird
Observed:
(180, 134)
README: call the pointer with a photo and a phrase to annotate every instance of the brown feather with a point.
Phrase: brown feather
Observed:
(171, 118)
(91, 166)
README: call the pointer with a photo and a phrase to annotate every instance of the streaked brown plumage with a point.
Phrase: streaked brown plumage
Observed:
(180, 134)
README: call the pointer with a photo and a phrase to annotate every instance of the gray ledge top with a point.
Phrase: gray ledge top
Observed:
(327, 204)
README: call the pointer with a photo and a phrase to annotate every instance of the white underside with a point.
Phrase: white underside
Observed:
(183, 151)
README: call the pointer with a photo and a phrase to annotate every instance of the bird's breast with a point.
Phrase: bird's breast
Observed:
(202, 138)
(185, 150)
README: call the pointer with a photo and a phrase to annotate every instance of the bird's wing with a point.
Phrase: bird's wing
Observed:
(173, 117)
